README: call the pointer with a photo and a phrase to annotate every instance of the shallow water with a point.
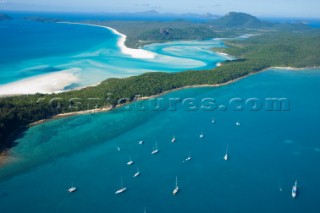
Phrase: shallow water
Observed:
(90, 54)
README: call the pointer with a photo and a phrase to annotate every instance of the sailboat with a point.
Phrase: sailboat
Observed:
(237, 123)
(137, 173)
(201, 135)
(188, 158)
(155, 150)
(141, 142)
(226, 155)
(72, 189)
(294, 189)
(173, 139)
(176, 189)
(122, 189)
(130, 162)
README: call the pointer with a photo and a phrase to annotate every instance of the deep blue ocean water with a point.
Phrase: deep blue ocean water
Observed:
(312, 22)
(267, 152)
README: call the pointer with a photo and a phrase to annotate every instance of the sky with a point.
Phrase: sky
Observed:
(262, 8)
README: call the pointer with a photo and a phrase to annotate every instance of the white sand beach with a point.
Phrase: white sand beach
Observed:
(135, 53)
(47, 83)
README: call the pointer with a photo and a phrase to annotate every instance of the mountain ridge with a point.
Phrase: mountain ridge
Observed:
(240, 20)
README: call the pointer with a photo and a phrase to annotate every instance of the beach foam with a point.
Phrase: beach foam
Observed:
(135, 53)
(47, 83)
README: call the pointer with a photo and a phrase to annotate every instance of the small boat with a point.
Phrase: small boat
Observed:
(72, 189)
(137, 173)
(294, 189)
(188, 158)
(226, 155)
(213, 121)
(122, 188)
(173, 139)
(130, 162)
(176, 189)
(118, 148)
(145, 210)
(155, 149)
(238, 124)
(141, 142)
(201, 135)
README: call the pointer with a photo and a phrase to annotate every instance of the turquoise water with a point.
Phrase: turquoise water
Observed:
(89, 54)
(26, 44)
(269, 151)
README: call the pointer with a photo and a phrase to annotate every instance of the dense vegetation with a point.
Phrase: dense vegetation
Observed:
(168, 34)
(143, 32)
(297, 48)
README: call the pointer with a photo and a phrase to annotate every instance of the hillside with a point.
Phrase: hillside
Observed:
(4, 17)
(240, 20)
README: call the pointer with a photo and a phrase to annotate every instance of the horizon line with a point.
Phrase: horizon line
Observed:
(159, 13)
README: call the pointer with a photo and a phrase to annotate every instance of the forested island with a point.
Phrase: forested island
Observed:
(4, 17)
(272, 45)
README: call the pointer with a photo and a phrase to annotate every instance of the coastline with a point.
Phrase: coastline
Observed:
(105, 109)
(45, 83)
(135, 53)
(56, 82)
(5, 155)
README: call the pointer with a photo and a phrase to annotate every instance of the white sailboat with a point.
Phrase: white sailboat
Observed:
(121, 189)
(176, 189)
(173, 139)
(226, 155)
(141, 142)
(137, 173)
(72, 189)
(201, 135)
(130, 162)
(294, 189)
(188, 158)
(155, 149)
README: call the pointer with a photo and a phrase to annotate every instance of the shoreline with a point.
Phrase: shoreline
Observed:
(135, 53)
(138, 53)
(106, 109)
(5, 155)
(45, 83)
(61, 79)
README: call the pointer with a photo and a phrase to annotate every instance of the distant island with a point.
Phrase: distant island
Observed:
(4, 17)
(269, 45)
(42, 19)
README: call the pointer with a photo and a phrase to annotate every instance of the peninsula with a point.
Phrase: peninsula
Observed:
(269, 45)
